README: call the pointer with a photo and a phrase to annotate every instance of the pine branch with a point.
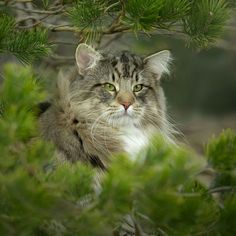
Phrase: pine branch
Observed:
(90, 16)
(25, 45)
(142, 15)
(206, 21)
(200, 21)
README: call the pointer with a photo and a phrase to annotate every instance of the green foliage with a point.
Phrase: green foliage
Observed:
(142, 15)
(90, 16)
(202, 21)
(221, 151)
(149, 15)
(168, 174)
(18, 95)
(227, 217)
(175, 10)
(205, 21)
(160, 191)
(27, 45)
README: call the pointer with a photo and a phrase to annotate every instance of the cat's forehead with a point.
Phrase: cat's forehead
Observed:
(126, 64)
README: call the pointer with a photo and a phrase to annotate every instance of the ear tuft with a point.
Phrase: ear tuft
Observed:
(158, 63)
(86, 57)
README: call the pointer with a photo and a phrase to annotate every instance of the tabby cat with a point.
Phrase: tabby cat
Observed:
(106, 105)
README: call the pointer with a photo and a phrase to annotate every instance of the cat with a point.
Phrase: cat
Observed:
(106, 105)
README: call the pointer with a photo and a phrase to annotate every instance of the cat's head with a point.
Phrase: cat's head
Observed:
(123, 89)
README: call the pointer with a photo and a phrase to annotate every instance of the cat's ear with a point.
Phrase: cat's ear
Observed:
(86, 58)
(158, 63)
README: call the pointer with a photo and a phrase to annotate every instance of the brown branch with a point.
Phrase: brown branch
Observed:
(54, 12)
(58, 57)
(118, 30)
(25, 19)
(171, 32)
(23, 1)
(57, 60)
(74, 29)
(117, 22)
(57, 63)
(20, 1)
(37, 22)
(62, 28)
(65, 43)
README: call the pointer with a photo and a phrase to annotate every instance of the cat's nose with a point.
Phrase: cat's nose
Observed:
(126, 105)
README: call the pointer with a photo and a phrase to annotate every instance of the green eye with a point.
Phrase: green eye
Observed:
(137, 88)
(109, 87)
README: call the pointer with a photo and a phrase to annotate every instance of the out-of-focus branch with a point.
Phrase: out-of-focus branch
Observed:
(226, 45)
(62, 28)
(54, 12)
(63, 42)
(57, 60)
(112, 39)
(36, 21)
(51, 12)
(117, 22)
(58, 57)
(20, 1)
(221, 189)
(23, 1)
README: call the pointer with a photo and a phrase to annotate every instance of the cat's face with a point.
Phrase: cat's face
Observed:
(122, 89)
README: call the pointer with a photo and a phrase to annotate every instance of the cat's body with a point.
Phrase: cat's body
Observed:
(109, 104)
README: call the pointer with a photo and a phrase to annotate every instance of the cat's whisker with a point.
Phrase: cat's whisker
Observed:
(93, 128)
(169, 127)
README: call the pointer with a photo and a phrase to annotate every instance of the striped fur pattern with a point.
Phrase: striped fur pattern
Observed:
(98, 107)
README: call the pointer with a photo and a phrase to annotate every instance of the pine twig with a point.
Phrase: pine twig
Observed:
(116, 27)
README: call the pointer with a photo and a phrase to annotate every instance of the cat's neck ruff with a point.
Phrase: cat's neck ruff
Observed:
(135, 140)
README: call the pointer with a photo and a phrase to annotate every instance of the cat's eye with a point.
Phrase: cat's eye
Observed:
(137, 88)
(109, 87)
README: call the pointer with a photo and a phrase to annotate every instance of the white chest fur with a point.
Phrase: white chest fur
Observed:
(134, 140)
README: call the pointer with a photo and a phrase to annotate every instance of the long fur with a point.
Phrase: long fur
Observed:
(85, 121)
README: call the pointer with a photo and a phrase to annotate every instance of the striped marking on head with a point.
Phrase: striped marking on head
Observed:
(126, 65)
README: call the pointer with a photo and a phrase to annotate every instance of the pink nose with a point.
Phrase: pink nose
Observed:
(126, 105)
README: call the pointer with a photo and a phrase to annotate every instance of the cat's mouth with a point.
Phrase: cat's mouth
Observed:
(123, 114)
(123, 118)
